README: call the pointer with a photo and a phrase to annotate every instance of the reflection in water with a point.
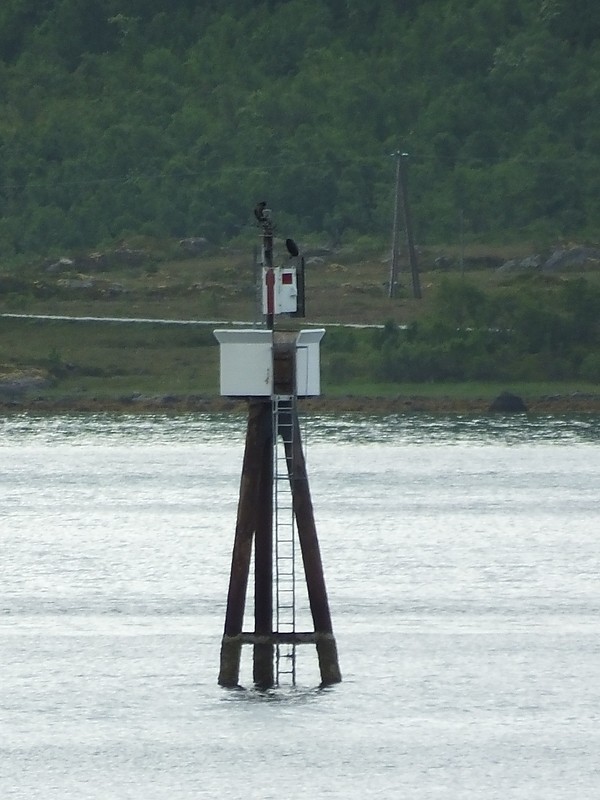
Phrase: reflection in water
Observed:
(344, 429)
(454, 430)
(288, 695)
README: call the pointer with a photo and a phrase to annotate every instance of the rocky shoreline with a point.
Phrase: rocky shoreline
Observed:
(576, 403)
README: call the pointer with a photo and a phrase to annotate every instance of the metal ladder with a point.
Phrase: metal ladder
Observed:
(284, 535)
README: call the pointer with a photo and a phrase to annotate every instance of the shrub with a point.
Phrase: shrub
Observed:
(590, 368)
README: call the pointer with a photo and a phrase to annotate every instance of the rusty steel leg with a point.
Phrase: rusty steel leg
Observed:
(231, 656)
(328, 660)
(242, 547)
(263, 558)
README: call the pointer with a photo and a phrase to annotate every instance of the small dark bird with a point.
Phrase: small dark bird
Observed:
(292, 247)
(259, 211)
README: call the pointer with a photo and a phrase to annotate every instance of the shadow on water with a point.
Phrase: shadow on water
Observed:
(290, 695)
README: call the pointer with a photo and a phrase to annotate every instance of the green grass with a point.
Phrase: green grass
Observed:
(465, 390)
(105, 359)
(110, 360)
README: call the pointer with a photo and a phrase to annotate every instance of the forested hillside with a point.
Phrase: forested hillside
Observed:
(172, 118)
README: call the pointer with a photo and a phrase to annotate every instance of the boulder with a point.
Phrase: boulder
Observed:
(508, 403)
(17, 384)
(62, 265)
(573, 258)
(529, 264)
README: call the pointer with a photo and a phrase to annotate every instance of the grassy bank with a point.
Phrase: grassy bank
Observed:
(61, 363)
(110, 360)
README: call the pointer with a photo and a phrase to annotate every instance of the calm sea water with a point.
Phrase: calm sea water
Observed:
(462, 559)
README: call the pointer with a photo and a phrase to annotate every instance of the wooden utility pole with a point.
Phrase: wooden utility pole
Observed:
(412, 255)
(394, 266)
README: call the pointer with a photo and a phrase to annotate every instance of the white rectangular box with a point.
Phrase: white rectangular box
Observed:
(246, 358)
(285, 290)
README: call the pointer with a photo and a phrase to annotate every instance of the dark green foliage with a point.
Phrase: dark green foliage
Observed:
(532, 330)
(172, 119)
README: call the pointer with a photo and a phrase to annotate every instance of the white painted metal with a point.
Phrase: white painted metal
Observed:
(247, 362)
(285, 290)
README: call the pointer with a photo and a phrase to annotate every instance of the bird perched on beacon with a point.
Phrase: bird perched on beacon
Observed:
(292, 247)
(261, 212)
